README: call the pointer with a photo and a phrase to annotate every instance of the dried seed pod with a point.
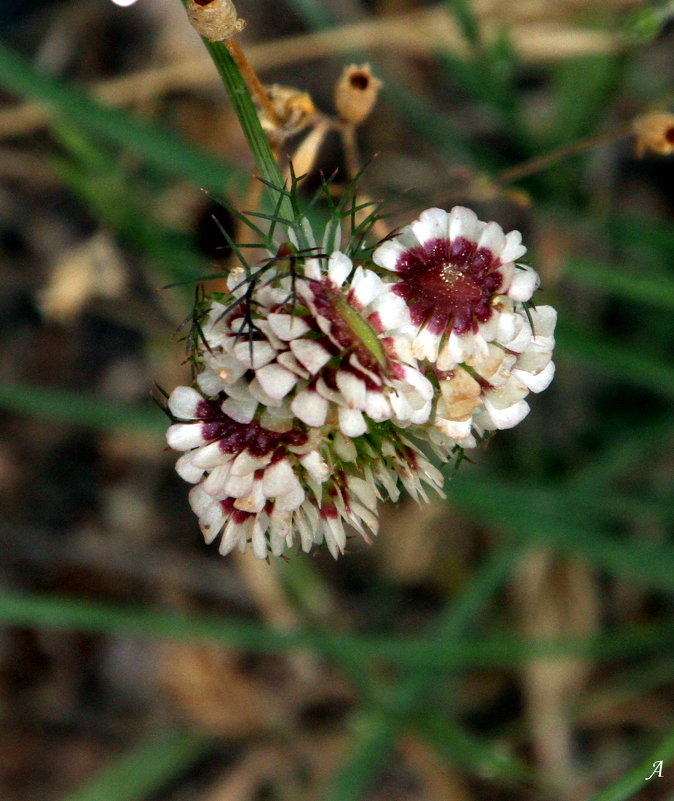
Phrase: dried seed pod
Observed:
(214, 19)
(655, 132)
(294, 110)
(356, 93)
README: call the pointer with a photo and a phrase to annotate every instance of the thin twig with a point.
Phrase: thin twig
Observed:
(540, 163)
(253, 83)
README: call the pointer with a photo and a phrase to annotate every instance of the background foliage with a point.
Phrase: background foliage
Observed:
(513, 642)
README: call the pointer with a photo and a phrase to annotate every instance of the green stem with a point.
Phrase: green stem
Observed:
(249, 120)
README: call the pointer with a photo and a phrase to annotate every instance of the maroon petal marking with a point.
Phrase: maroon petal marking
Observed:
(448, 285)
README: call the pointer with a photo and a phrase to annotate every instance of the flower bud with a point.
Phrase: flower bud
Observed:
(215, 20)
(356, 93)
(655, 132)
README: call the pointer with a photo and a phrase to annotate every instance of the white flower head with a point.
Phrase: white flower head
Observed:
(323, 386)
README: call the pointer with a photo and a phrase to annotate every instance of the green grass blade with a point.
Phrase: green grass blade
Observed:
(656, 291)
(457, 746)
(584, 85)
(73, 407)
(157, 146)
(376, 731)
(630, 365)
(635, 780)
(107, 190)
(563, 518)
(470, 27)
(146, 767)
(428, 654)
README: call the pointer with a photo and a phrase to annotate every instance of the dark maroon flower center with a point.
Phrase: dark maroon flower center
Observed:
(234, 437)
(448, 285)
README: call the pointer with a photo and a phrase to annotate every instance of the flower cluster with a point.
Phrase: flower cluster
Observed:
(324, 384)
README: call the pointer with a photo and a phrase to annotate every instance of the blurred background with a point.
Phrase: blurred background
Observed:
(511, 642)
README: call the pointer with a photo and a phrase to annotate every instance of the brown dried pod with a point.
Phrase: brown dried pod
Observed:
(654, 132)
(294, 110)
(216, 20)
(356, 93)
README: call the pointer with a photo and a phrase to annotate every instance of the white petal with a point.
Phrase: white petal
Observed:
(227, 367)
(275, 380)
(425, 345)
(544, 319)
(246, 463)
(210, 383)
(210, 456)
(290, 500)
(456, 429)
(241, 411)
(351, 422)
(287, 326)
(310, 354)
(523, 285)
(391, 310)
(254, 501)
(463, 222)
(184, 402)
(262, 353)
(513, 249)
(186, 469)
(259, 541)
(235, 534)
(492, 238)
(378, 407)
(257, 391)
(312, 269)
(533, 360)
(310, 408)
(315, 465)
(364, 491)
(199, 500)
(210, 513)
(185, 436)
(388, 254)
(352, 388)
(419, 381)
(214, 483)
(290, 363)
(432, 224)
(508, 417)
(536, 383)
(278, 479)
(236, 486)
(339, 267)
(365, 286)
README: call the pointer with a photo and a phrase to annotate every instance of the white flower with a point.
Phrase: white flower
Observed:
(456, 274)
(320, 383)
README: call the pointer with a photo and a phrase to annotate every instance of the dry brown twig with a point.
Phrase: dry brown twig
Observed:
(419, 33)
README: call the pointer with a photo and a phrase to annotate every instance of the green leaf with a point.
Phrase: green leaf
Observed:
(146, 767)
(157, 146)
(82, 410)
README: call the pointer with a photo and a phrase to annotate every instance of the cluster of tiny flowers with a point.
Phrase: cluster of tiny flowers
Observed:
(322, 389)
